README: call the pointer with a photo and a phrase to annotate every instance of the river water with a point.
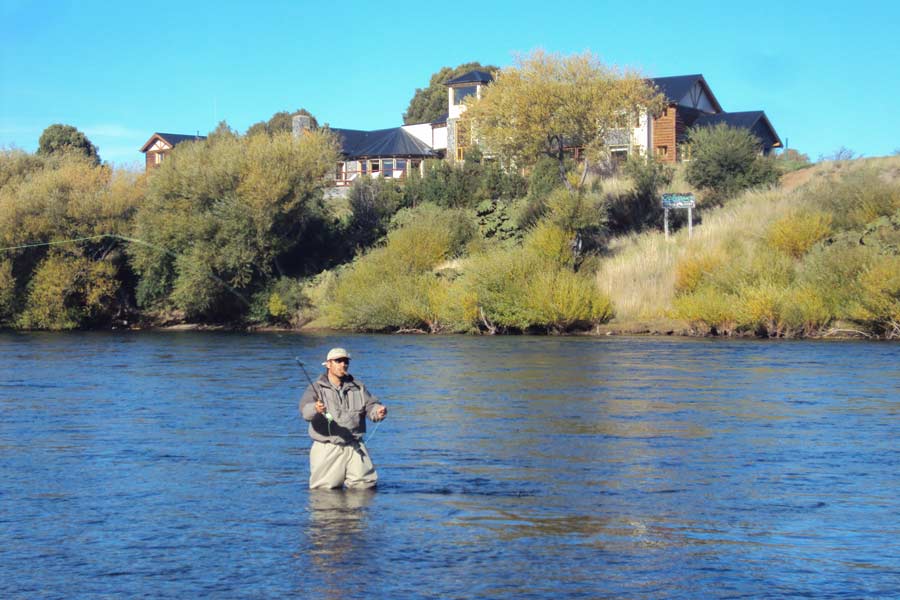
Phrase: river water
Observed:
(173, 465)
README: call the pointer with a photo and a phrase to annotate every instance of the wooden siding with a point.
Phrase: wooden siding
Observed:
(665, 131)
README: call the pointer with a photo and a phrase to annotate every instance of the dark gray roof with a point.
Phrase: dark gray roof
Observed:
(471, 77)
(677, 87)
(382, 142)
(172, 138)
(754, 120)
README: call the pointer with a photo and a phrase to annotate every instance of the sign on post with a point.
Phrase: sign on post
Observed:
(671, 201)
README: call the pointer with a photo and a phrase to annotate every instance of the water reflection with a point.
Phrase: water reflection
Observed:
(337, 536)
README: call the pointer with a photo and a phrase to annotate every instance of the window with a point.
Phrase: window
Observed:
(157, 158)
(463, 140)
(461, 93)
(662, 152)
(387, 167)
(400, 167)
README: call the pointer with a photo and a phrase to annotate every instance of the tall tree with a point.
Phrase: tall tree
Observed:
(59, 138)
(430, 104)
(547, 103)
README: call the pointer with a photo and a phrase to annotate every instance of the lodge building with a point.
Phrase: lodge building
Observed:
(394, 152)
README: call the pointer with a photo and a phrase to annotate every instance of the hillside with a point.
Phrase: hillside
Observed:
(816, 256)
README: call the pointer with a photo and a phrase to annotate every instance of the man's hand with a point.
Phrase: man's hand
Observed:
(320, 407)
(381, 413)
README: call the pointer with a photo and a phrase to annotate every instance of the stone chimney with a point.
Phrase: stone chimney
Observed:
(299, 124)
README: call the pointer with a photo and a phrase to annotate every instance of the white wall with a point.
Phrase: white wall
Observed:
(440, 138)
(420, 131)
(641, 134)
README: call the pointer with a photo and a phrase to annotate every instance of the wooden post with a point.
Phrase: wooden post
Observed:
(666, 221)
(690, 223)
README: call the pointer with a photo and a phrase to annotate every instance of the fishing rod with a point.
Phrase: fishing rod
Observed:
(328, 416)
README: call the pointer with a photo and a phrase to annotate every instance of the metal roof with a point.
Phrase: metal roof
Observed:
(751, 120)
(382, 142)
(677, 87)
(471, 77)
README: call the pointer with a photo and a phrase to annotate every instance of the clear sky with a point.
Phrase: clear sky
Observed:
(826, 72)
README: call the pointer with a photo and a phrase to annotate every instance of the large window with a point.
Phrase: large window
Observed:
(461, 93)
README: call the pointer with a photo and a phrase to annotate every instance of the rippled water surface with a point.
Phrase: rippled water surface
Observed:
(173, 465)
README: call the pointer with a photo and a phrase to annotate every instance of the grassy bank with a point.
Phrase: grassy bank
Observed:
(816, 255)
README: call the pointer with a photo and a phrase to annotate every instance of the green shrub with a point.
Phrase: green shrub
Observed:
(393, 287)
(497, 220)
(463, 186)
(69, 292)
(761, 308)
(424, 236)
(373, 201)
(691, 270)
(833, 271)
(550, 243)
(796, 233)
(520, 290)
(7, 292)
(559, 300)
(283, 302)
(878, 305)
(726, 160)
(640, 208)
(856, 199)
(804, 310)
(709, 309)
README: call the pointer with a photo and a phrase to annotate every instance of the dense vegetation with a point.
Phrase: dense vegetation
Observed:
(238, 230)
(820, 259)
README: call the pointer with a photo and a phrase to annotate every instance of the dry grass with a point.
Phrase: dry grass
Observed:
(639, 276)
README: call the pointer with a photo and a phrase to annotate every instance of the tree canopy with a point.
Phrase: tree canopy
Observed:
(547, 103)
(59, 138)
(429, 104)
(726, 160)
(280, 122)
(218, 216)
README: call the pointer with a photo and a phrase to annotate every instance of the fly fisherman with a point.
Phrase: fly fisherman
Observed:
(336, 407)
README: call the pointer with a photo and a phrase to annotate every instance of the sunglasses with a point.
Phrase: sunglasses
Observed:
(346, 361)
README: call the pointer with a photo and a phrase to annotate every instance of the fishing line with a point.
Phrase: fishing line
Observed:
(328, 416)
(230, 289)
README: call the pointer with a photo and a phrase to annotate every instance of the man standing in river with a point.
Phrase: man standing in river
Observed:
(336, 406)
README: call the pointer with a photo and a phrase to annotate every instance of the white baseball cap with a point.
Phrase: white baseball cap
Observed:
(336, 353)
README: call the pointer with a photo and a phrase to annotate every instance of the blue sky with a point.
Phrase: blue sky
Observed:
(826, 73)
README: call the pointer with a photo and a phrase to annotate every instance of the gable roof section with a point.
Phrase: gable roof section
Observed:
(382, 142)
(173, 139)
(677, 87)
(471, 77)
(755, 121)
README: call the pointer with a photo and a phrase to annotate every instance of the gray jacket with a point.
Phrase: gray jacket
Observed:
(348, 406)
